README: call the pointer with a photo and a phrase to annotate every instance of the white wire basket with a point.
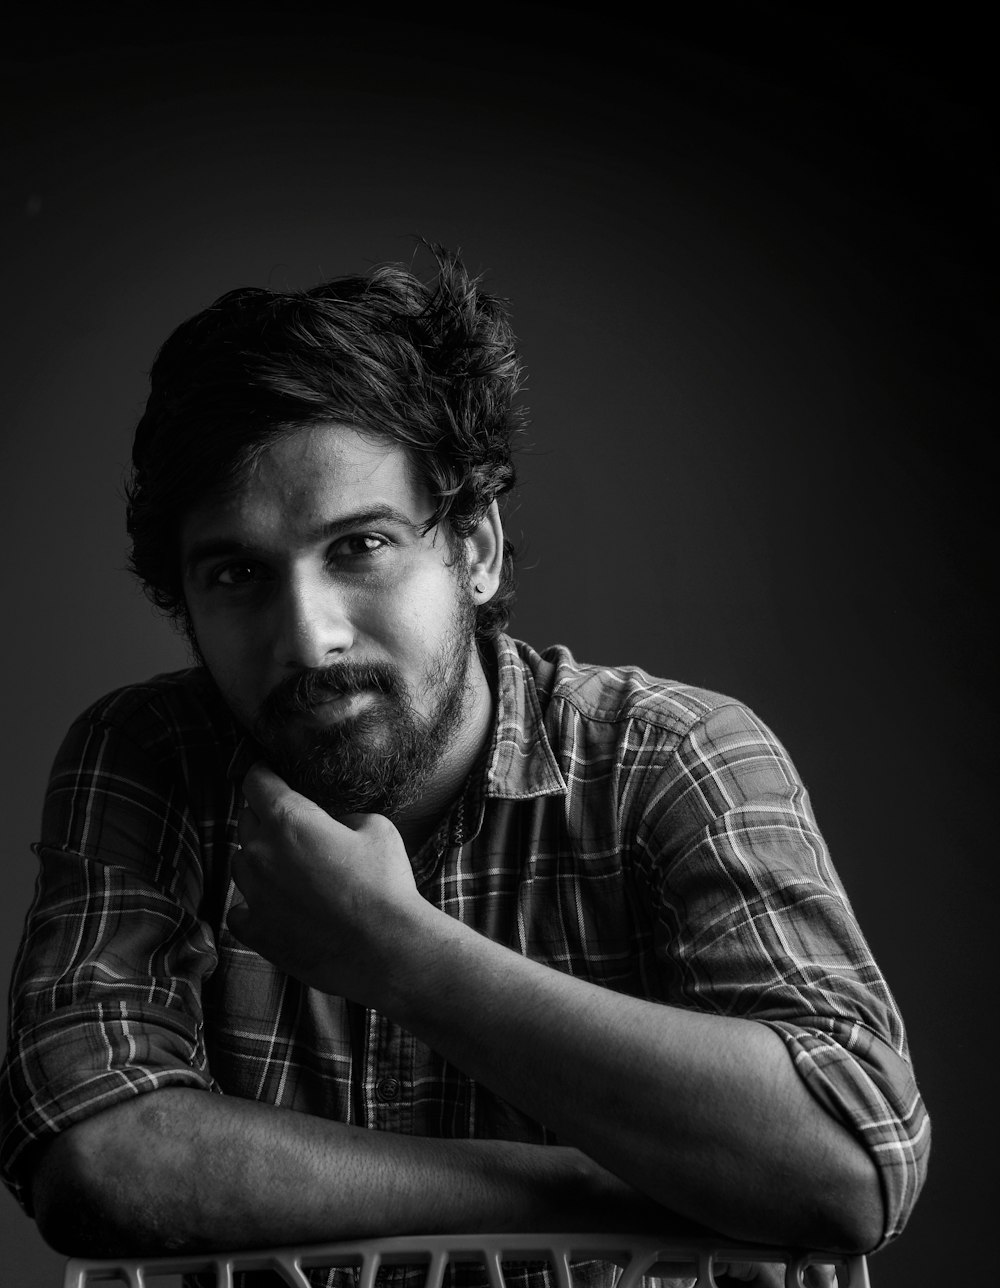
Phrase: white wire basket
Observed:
(668, 1263)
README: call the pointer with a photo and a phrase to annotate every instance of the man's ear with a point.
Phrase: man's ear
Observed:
(484, 548)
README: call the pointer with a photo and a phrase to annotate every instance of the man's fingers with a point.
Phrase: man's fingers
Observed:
(263, 788)
(247, 824)
(249, 871)
(376, 827)
(240, 871)
(237, 920)
(268, 797)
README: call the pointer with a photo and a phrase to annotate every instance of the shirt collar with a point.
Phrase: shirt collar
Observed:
(519, 763)
(522, 763)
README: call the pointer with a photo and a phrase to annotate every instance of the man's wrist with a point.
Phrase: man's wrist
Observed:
(410, 967)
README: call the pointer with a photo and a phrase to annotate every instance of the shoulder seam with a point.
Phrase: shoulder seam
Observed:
(638, 708)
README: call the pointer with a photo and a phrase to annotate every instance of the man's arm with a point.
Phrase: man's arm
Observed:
(311, 937)
(702, 1113)
(184, 1170)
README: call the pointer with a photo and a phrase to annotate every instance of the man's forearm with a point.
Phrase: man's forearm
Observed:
(703, 1113)
(184, 1170)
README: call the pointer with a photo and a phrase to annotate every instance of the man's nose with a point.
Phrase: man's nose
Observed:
(313, 626)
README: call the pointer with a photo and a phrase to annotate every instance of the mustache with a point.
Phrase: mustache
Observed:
(299, 693)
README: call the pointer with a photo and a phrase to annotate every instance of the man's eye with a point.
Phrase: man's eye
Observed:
(237, 574)
(360, 545)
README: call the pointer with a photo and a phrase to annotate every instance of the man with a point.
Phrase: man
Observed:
(466, 937)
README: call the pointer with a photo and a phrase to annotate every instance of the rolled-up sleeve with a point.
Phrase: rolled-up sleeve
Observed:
(105, 998)
(755, 923)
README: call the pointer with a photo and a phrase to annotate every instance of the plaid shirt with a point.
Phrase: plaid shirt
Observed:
(646, 836)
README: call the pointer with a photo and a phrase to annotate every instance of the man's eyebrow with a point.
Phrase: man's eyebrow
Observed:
(360, 519)
(220, 546)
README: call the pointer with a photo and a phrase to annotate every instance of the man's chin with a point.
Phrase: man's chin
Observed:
(307, 742)
(340, 798)
(350, 775)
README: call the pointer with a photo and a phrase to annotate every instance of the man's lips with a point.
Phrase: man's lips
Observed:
(337, 707)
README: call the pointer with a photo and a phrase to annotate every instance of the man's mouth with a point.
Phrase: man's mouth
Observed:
(337, 707)
(320, 700)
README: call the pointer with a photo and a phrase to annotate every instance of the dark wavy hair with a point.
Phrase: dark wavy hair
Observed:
(431, 366)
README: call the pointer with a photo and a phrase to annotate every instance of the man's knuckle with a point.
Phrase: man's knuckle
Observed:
(380, 829)
(286, 817)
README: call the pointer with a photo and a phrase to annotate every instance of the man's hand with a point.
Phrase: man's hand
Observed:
(324, 899)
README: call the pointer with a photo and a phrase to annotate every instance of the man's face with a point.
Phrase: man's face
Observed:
(337, 632)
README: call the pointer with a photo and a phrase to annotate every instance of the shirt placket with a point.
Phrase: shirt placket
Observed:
(388, 1076)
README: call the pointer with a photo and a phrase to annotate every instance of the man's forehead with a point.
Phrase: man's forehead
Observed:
(334, 454)
(312, 479)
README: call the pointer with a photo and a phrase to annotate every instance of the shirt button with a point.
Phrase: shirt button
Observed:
(387, 1089)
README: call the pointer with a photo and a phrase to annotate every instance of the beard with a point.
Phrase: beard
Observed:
(380, 760)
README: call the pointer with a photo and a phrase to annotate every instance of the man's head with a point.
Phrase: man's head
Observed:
(431, 368)
(339, 630)
(314, 496)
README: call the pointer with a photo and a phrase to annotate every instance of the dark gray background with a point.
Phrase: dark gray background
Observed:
(747, 265)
